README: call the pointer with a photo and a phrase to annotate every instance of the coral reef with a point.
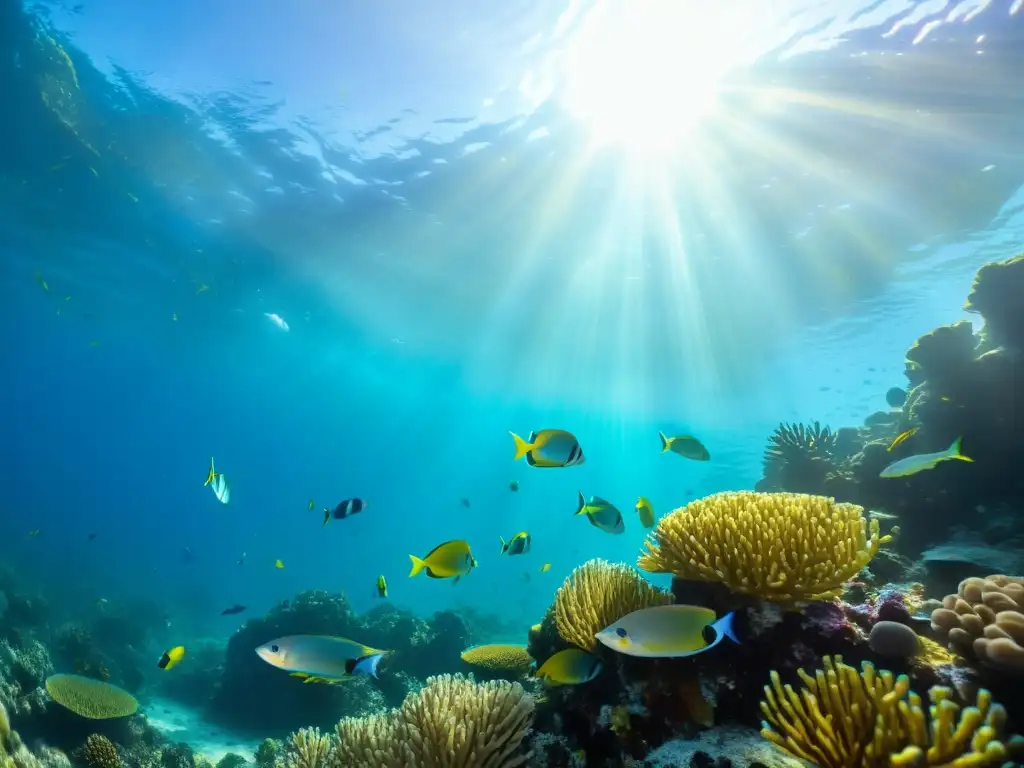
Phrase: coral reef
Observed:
(783, 547)
(597, 594)
(90, 698)
(14, 753)
(99, 752)
(499, 659)
(984, 621)
(848, 719)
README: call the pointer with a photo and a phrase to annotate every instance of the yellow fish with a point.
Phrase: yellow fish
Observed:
(901, 437)
(687, 446)
(171, 657)
(278, 564)
(569, 667)
(921, 461)
(382, 586)
(545, 568)
(645, 511)
(453, 558)
(548, 448)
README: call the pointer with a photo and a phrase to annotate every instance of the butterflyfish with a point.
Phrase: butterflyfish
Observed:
(569, 667)
(667, 632)
(517, 545)
(687, 446)
(601, 514)
(382, 586)
(171, 658)
(645, 512)
(219, 483)
(321, 658)
(911, 465)
(549, 448)
(451, 559)
(900, 438)
(545, 568)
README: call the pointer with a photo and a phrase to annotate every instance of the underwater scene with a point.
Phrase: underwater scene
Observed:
(626, 383)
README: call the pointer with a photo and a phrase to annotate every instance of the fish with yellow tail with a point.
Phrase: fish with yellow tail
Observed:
(218, 483)
(919, 462)
(549, 448)
(601, 514)
(569, 667)
(667, 632)
(381, 587)
(517, 545)
(321, 658)
(171, 658)
(645, 511)
(687, 446)
(901, 438)
(453, 559)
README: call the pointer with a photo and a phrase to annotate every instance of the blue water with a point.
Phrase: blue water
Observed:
(459, 250)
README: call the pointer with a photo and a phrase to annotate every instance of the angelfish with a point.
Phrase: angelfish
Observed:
(321, 658)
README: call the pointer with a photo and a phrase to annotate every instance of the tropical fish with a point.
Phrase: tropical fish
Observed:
(517, 545)
(92, 536)
(453, 558)
(170, 658)
(687, 446)
(549, 448)
(279, 563)
(601, 514)
(34, 532)
(569, 667)
(513, 486)
(876, 514)
(277, 320)
(645, 511)
(347, 508)
(921, 461)
(219, 483)
(310, 505)
(236, 608)
(901, 437)
(241, 559)
(42, 282)
(382, 586)
(545, 568)
(321, 658)
(174, 316)
(667, 631)
(464, 502)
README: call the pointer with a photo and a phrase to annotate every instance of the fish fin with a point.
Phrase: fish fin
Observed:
(954, 451)
(456, 580)
(417, 566)
(211, 474)
(504, 546)
(724, 627)
(581, 503)
(522, 447)
(665, 442)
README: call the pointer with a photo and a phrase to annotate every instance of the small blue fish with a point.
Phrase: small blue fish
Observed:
(922, 461)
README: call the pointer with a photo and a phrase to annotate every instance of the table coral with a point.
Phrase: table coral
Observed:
(91, 698)
(784, 547)
(848, 719)
(599, 593)
(984, 620)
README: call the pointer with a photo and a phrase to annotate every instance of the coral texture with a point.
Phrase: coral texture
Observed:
(99, 752)
(984, 620)
(451, 723)
(499, 657)
(91, 698)
(308, 748)
(782, 547)
(599, 593)
(849, 719)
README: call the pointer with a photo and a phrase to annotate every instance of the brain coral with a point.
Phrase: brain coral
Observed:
(91, 698)
(985, 620)
(784, 547)
(499, 657)
(598, 594)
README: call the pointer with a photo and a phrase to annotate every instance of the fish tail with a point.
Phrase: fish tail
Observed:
(504, 546)
(954, 451)
(665, 444)
(581, 503)
(522, 447)
(417, 566)
(724, 626)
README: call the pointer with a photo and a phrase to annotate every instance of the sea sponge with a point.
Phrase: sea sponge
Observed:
(99, 752)
(984, 620)
(783, 547)
(848, 719)
(597, 594)
(499, 657)
(451, 723)
(91, 698)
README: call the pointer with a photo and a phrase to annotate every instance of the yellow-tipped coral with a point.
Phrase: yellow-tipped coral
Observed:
(597, 594)
(784, 547)
(499, 657)
(870, 719)
(91, 698)
(308, 748)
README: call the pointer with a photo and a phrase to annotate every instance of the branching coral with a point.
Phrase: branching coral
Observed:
(91, 698)
(597, 594)
(784, 547)
(308, 748)
(451, 723)
(985, 620)
(848, 719)
(99, 752)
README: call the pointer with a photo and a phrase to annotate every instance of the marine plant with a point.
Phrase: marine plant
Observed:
(843, 718)
(452, 722)
(782, 547)
(599, 593)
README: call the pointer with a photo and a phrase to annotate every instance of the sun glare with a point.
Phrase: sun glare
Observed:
(642, 74)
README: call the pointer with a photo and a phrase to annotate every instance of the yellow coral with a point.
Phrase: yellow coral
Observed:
(499, 657)
(784, 547)
(451, 723)
(597, 594)
(849, 719)
(91, 698)
(308, 748)
(99, 752)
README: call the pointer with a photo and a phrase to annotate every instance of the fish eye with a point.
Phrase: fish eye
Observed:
(620, 632)
(708, 634)
(274, 649)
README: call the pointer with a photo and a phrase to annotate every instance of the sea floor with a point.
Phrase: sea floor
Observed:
(179, 723)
